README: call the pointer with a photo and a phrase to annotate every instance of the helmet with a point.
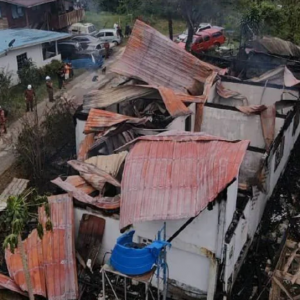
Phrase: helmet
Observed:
(48, 78)
(29, 87)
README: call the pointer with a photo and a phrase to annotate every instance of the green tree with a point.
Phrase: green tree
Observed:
(29, 74)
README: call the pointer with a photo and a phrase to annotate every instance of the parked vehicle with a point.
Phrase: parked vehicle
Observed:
(109, 35)
(201, 27)
(208, 39)
(85, 61)
(91, 43)
(181, 44)
(82, 28)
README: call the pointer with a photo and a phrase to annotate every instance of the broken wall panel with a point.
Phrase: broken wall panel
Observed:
(235, 125)
(85, 146)
(58, 248)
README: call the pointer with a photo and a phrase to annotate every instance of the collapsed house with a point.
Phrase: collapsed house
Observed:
(176, 143)
(218, 230)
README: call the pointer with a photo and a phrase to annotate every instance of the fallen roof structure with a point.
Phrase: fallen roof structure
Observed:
(175, 175)
(51, 261)
(9, 284)
(142, 60)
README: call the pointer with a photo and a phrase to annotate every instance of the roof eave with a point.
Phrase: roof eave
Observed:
(28, 6)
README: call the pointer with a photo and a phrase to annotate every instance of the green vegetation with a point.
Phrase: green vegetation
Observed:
(107, 20)
(12, 98)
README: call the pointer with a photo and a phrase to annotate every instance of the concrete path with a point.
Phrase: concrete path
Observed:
(75, 89)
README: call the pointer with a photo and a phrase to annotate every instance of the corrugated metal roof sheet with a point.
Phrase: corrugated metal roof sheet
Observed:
(281, 76)
(27, 37)
(28, 3)
(99, 175)
(9, 284)
(99, 120)
(15, 188)
(155, 59)
(109, 96)
(277, 46)
(109, 163)
(85, 146)
(51, 261)
(59, 249)
(80, 184)
(107, 203)
(33, 249)
(175, 175)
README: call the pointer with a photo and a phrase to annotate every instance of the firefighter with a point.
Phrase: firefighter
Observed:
(29, 98)
(49, 86)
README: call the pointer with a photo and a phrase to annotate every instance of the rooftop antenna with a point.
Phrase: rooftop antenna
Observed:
(11, 43)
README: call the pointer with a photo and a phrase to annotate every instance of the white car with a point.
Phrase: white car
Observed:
(82, 28)
(109, 35)
(201, 27)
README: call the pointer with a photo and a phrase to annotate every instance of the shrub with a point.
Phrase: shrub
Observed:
(50, 69)
(5, 83)
(29, 74)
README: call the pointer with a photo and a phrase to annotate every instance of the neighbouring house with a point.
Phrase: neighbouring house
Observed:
(27, 44)
(39, 14)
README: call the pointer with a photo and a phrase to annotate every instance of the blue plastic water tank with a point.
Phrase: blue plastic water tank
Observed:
(131, 261)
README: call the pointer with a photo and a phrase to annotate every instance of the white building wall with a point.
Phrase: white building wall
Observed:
(9, 62)
(111, 231)
(79, 135)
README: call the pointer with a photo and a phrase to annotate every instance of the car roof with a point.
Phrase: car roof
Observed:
(108, 29)
(82, 24)
(209, 31)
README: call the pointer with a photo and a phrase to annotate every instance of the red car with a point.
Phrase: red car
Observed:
(207, 39)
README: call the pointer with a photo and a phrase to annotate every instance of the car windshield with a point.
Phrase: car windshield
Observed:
(91, 29)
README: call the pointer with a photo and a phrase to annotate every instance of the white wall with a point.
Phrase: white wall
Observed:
(253, 94)
(111, 232)
(79, 135)
(9, 61)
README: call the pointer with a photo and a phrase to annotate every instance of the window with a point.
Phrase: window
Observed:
(21, 60)
(217, 34)
(98, 47)
(206, 38)
(199, 40)
(36, 8)
(0, 13)
(91, 29)
(17, 11)
(101, 34)
(109, 34)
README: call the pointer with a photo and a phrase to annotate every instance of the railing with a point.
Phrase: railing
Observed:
(66, 19)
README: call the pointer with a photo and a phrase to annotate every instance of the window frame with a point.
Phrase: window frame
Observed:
(21, 58)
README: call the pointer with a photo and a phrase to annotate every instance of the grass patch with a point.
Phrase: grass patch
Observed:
(107, 20)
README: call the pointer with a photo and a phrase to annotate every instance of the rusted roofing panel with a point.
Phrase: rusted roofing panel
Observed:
(277, 46)
(85, 146)
(108, 163)
(15, 188)
(155, 59)
(33, 250)
(175, 175)
(9, 284)
(109, 96)
(99, 119)
(281, 76)
(268, 122)
(87, 169)
(80, 184)
(107, 203)
(58, 248)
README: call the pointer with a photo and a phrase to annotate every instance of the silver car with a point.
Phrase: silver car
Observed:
(109, 35)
